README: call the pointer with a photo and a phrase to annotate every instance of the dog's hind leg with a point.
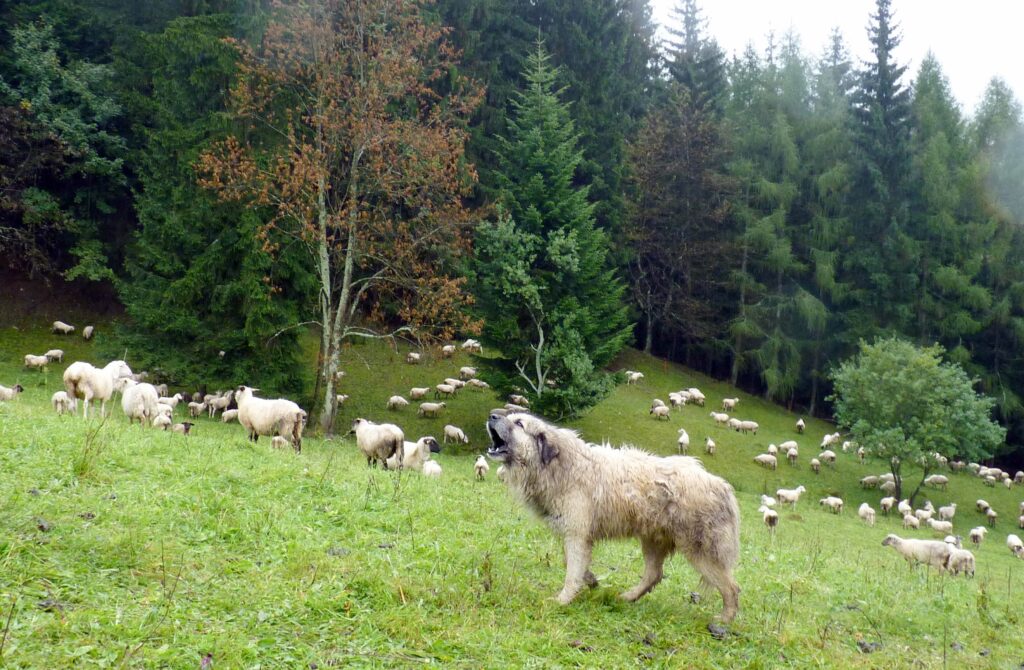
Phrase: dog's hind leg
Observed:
(720, 576)
(577, 568)
(654, 560)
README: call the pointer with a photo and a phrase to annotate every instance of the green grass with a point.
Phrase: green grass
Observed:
(161, 548)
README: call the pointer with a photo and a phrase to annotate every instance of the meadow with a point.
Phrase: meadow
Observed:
(127, 547)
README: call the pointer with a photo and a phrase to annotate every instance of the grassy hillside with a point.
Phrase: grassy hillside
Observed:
(123, 547)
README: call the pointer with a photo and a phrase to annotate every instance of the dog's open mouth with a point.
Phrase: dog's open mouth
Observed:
(499, 448)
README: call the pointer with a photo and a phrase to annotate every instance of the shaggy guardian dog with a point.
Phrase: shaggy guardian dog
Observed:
(587, 493)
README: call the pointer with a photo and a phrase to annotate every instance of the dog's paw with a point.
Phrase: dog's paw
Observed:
(564, 597)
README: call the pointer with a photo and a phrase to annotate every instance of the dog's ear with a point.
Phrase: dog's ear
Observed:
(548, 452)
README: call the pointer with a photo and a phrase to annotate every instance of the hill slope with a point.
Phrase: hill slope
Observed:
(126, 547)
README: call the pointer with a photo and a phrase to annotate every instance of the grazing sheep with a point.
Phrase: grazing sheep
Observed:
(164, 410)
(677, 400)
(397, 402)
(456, 383)
(62, 404)
(960, 560)
(869, 482)
(828, 456)
(684, 441)
(430, 409)
(1015, 546)
(766, 460)
(139, 401)
(220, 403)
(467, 372)
(833, 503)
(33, 361)
(414, 454)
(924, 514)
(478, 383)
(1019, 477)
(419, 392)
(431, 469)
(278, 442)
(886, 504)
(748, 427)
(229, 415)
(445, 390)
(379, 441)
(162, 421)
(657, 403)
(55, 355)
(773, 450)
(633, 377)
(183, 428)
(661, 412)
(937, 481)
(788, 444)
(770, 517)
(412, 358)
(800, 426)
(910, 521)
(733, 423)
(729, 403)
(947, 512)
(944, 527)
(472, 346)
(829, 440)
(861, 454)
(720, 418)
(87, 332)
(455, 434)
(791, 455)
(696, 396)
(481, 467)
(447, 351)
(709, 446)
(982, 505)
(866, 514)
(887, 487)
(62, 328)
(791, 496)
(954, 541)
(263, 416)
(815, 465)
(196, 409)
(977, 534)
(768, 501)
(82, 380)
(904, 507)
(991, 515)
(517, 399)
(340, 399)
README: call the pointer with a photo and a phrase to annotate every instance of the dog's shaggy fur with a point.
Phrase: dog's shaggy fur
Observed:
(587, 493)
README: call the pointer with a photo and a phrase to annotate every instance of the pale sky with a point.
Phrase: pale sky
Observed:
(973, 41)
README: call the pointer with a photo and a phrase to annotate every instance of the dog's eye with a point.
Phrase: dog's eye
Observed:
(519, 422)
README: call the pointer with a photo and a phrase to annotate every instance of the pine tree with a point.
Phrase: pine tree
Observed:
(695, 60)
(552, 305)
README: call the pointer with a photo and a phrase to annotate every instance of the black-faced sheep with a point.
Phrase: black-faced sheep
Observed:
(9, 393)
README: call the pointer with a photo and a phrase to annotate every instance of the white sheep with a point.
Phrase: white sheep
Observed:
(791, 496)
(278, 442)
(412, 358)
(828, 456)
(800, 426)
(162, 421)
(773, 450)
(263, 416)
(33, 361)
(139, 401)
(453, 382)
(748, 427)
(229, 415)
(770, 517)
(960, 560)
(82, 380)
(696, 396)
(676, 400)
(87, 332)
(397, 402)
(472, 346)
(923, 514)
(478, 383)
(684, 441)
(196, 409)
(729, 403)
(866, 514)
(455, 434)
(430, 409)
(447, 351)
(62, 328)
(520, 400)
(768, 501)
(445, 390)
(414, 454)
(170, 400)
(379, 441)
(954, 541)
(829, 440)
(910, 521)
(1015, 546)
(55, 355)
(720, 418)
(887, 487)
(657, 403)
(904, 507)
(869, 482)
(947, 512)
(481, 467)
(991, 515)
(792, 454)
(184, 428)
(660, 412)
(710, 446)
(977, 534)
(220, 403)
(886, 504)
(419, 392)
(164, 410)
(937, 481)
(833, 503)
(733, 423)
(467, 372)
(432, 469)
(982, 505)
(944, 527)
(766, 460)
(861, 454)
(633, 377)
(815, 465)
(62, 404)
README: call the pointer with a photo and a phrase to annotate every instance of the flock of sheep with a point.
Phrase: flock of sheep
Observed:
(946, 555)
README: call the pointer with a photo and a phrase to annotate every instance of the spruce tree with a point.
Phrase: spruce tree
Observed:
(552, 304)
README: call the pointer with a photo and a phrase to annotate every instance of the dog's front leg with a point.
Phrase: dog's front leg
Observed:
(577, 567)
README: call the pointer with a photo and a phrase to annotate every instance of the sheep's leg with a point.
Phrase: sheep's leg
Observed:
(654, 560)
(577, 565)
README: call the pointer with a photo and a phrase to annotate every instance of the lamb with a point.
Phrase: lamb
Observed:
(229, 415)
(947, 512)
(432, 469)
(164, 410)
(633, 377)
(55, 355)
(340, 399)
(196, 409)
(866, 514)
(991, 515)
(87, 332)
(414, 454)
(278, 442)
(791, 496)
(379, 442)
(960, 560)
(683, 441)
(1019, 477)
(938, 481)
(833, 503)
(1020, 521)
(661, 412)
(139, 401)
(455, 434)
(766, 460)
(729, 403)
(33, 361)
(1015, 546)
(430, 409)
(220, 403)
(709, 446)
(183, 428)
(481, 467)
(977, 534)
(815, 465)
(720, 418)
(162, 421)
(172, 400)
(910, 521)
(887, 504)
(748, 427)
(800, 426)
(262, 416)
(412, 358)
(770, 517)
(472, 346)
(446, 390)
(944, 527)
(447, 351)
(517, 399)
(62, 328)
(62, 404)
(397, 402)
(419, 392)
(82, 380)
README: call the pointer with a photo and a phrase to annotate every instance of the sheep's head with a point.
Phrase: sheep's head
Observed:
(435, 446)
(889, 540)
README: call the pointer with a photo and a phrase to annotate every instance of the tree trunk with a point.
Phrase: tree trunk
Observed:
(649, 335)
(324, 377)
(738, 341)
(814, 380)
(337, 331)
